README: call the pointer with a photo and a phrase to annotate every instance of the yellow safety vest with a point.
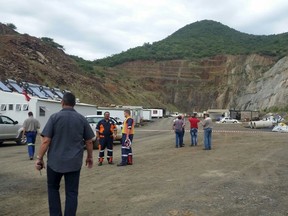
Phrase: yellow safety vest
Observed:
(125, 126)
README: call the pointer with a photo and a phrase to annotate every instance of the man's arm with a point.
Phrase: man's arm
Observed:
(204, 123)
(97, 131)
(130, 122)
(23, 133)
(24, 129)
(89, 147)
(97, 134)
(39, 164)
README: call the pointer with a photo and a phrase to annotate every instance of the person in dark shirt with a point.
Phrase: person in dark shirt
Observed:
(106, 132)
(63, 137)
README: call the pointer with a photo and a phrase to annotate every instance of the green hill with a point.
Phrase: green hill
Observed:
(203, 39)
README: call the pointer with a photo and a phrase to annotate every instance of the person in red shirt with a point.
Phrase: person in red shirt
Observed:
(194, 129)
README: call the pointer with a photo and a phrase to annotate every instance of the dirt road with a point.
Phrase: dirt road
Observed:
(246, 173)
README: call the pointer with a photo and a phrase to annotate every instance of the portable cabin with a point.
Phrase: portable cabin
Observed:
(17, 103)
(118, 113)
(147, 115)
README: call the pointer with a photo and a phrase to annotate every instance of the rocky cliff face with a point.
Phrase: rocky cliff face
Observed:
(218, 82)
(269, 90)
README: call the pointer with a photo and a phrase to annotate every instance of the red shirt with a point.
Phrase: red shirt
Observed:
(194, 122)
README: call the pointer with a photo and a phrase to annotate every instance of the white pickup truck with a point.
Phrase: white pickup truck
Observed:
(10, 130)
(93, 121)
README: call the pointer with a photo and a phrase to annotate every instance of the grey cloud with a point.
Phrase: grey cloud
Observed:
(95, 29)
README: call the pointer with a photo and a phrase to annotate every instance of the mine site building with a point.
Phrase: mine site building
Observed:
(216, 114)
(42, 101)
(147, 115)
(156, 113)
(245, 115)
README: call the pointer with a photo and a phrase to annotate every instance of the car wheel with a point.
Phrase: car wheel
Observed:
(224, 122)
(1, 142)
(234, 122)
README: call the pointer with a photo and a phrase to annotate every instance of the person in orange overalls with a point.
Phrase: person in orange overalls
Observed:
(106, 132)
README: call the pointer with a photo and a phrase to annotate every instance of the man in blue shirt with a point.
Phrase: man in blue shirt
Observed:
(64, 136)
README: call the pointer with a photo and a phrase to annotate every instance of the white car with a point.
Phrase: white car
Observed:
(228, 120)
(10, 130)
(93, 121)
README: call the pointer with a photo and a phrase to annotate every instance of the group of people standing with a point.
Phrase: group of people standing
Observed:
(179, 128)
(106, 132)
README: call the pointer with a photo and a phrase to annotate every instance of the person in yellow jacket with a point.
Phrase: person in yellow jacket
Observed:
(127, 137)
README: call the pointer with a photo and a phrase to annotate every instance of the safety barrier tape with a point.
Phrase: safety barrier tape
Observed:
(214, 131)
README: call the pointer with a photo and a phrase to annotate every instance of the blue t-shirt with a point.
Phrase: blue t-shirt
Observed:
(68, 130)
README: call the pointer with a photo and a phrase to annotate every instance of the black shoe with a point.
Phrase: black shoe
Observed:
(129, 163)
(31, 158)
(121, 164)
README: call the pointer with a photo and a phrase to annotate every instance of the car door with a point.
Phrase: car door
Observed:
(10, 128)
(2, 129)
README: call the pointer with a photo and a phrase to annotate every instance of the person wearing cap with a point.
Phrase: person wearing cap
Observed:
(207, 126)
(30, 127)
(194, 129)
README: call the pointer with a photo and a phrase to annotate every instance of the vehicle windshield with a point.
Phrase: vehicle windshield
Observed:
(93, 120)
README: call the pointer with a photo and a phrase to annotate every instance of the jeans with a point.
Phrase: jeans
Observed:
(31, 138)
(71, 192)
(207, 138)
(194, 136)
(179, 138)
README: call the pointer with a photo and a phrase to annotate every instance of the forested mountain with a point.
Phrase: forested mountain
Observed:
(203, 39)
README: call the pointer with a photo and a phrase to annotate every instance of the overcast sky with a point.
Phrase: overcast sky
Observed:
(95, 29)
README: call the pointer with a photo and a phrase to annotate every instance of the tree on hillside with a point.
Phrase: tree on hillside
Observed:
(11, 25)
(52, 43)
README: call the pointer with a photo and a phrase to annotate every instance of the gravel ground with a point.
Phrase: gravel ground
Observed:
(245, 173)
